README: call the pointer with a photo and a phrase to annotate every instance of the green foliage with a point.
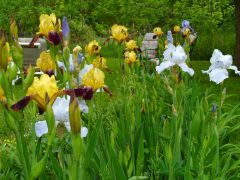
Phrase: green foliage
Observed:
(90, 18)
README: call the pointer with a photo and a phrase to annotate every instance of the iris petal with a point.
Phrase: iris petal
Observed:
(218, 75)
(185, 68)
(41, 128)
(54, 37)
(65, 27)
(164, 65)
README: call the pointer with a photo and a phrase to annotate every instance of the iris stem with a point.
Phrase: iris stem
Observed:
(21, 155)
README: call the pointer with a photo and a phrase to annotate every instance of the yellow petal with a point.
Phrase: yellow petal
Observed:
(176, 29)
(158, 31)
(94, 78)
(119, 32)
(40, 87)
(49, 23)
(45, 62)
(130, 57)
(100, 62)
(131, 45)
(93, 48)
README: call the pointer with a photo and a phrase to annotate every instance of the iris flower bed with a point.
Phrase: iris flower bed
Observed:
(85, 118)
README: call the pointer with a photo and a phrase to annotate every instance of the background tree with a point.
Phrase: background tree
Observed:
(214, 20)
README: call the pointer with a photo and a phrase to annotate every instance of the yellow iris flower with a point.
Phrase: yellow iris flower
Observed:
(100, 62)
(45, 62)
(130, 57)
(158, 31)
(176, 29)
(49, 23)
(94, 78)
(131, 45)
(40, 87)
(119, 32)
(93, 48)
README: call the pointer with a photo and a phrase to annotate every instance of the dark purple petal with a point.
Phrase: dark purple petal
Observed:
(65, 27)
(54, 37)
(49, 72)
(84, 92)
(22, 103)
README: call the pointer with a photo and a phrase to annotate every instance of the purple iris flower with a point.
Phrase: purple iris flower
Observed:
(185, 24)
(65, 27)
(170, 37)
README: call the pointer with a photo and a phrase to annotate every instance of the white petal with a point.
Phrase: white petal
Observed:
(164, 65)
(41, 128)
(227, 60)
(235, 69)
(179, 56)
(167, 54)
(83, 106)
(61, 109)
(84, 132)
(218, 75)
(187, 69)
(215, 56)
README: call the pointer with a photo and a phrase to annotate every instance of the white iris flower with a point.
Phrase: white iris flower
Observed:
(219, 64)
(174, 56)
(61, 114)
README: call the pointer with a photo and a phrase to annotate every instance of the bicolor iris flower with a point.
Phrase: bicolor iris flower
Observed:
(93, 48)
(50, 28)
(40, 87)
(93, 78)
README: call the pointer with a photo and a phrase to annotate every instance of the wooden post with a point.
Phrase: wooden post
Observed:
(237, 12)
